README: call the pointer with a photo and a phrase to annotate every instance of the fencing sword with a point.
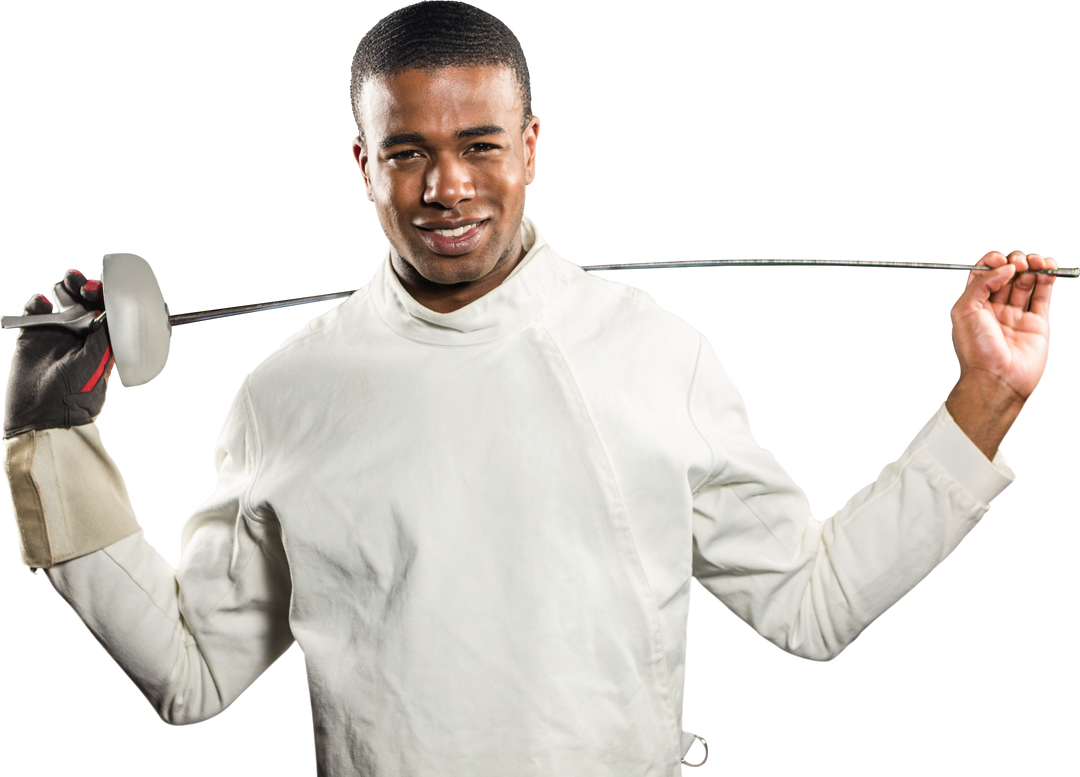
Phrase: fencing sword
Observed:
(206, 315)
(140, 325)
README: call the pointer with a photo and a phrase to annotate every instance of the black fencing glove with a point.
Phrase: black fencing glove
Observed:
(58, 377)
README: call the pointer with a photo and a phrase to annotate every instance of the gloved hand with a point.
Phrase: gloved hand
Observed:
(58, 377)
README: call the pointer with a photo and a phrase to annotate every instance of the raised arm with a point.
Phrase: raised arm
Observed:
(192, 639)
(811, 586)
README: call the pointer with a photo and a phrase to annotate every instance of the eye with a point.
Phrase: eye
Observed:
(409, 153)
(483, 148)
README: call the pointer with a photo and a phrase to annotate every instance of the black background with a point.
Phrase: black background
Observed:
(218, 147)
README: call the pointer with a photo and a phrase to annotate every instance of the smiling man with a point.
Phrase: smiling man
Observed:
(450, 154)
(476, 493)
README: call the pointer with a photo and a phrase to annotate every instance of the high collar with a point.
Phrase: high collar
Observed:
(538, 278)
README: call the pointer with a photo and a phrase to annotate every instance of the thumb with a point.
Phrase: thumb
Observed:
(984, 283)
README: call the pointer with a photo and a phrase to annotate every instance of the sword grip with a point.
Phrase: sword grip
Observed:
(76, 318)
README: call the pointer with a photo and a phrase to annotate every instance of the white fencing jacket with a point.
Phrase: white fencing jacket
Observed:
(481, 528)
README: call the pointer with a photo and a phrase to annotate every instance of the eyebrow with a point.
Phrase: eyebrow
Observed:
(403, 138)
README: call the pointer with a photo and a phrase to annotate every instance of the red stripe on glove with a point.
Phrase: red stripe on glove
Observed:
(99, 371)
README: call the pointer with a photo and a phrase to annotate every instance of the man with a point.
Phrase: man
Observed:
(471, 492)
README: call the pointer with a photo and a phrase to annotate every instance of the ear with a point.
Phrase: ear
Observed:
(359, 156)
(358, 153)
(528, 137)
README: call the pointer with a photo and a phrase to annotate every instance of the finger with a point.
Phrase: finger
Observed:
(83, 287)
(93, 294)
(992, 259)
(1036, 262)
(1040, 297)
(65, 293)
(73, 282)
(1001, 296)
(1023, 284)
(38, 305)
(82, 291)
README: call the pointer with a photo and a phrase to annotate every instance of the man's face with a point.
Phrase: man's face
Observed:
(446, 163)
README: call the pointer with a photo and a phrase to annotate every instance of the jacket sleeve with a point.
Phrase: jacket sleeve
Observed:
(192, 638)
(811, 587)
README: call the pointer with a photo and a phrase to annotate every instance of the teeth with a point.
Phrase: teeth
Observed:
(454, 232)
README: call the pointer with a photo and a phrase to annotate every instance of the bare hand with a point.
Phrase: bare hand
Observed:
(1000, 323)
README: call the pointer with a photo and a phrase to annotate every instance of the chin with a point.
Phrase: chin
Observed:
(450, 270)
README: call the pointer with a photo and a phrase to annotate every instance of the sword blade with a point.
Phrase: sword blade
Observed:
(205, 315)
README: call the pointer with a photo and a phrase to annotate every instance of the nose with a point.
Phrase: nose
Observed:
(448, 182)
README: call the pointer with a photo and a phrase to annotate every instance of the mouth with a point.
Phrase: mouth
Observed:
(451, 239)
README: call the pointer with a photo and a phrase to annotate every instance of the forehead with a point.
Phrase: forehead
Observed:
(447, 99)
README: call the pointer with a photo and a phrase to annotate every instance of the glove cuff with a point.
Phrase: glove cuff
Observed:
(69, 497)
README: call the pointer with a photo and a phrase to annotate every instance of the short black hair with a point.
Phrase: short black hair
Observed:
(433, 35)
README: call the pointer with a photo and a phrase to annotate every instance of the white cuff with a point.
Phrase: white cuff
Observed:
(69, 497)
(977, 475)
